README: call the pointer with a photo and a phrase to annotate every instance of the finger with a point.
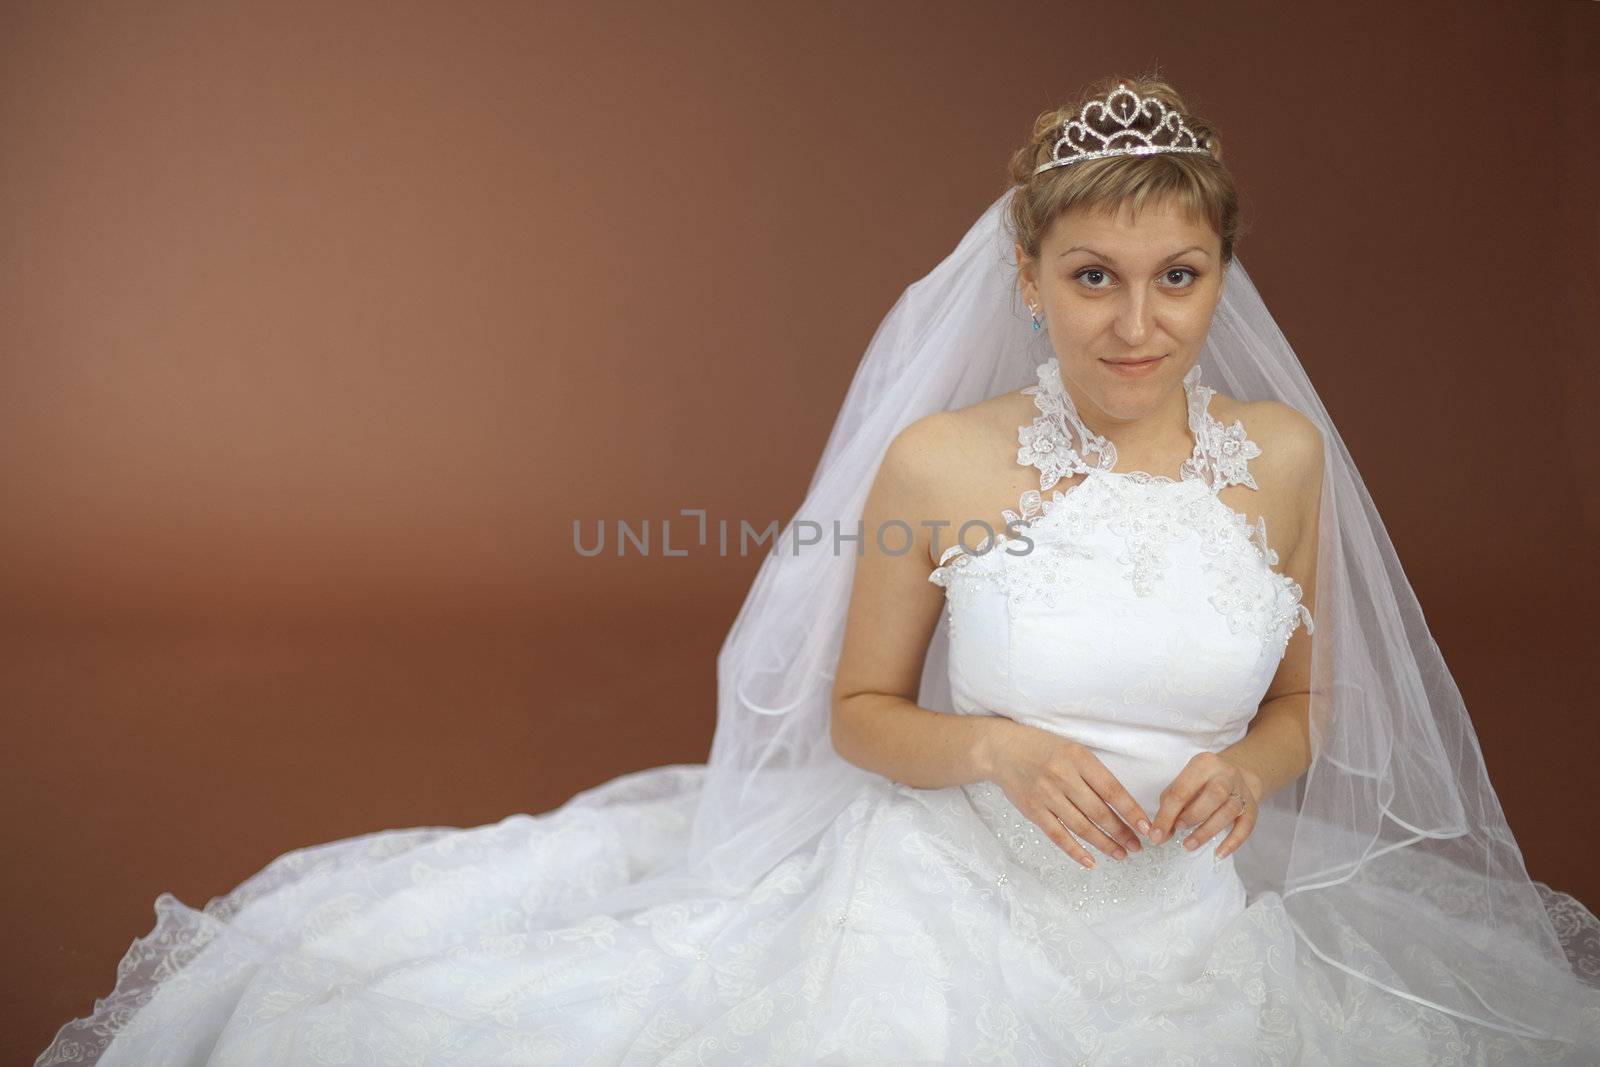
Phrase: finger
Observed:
(1111, 792)
(1213, 810)
(1175, 799)
(1095, 809)
(1047, 821)
(1220, 819)
(1085, 827)
(1243, 827)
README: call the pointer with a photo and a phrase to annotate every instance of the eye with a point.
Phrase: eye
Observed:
(1177, 277)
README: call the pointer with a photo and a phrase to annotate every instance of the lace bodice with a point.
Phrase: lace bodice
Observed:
(1135, 612)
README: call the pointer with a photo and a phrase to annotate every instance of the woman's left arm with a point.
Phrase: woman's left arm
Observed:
(1276, 748)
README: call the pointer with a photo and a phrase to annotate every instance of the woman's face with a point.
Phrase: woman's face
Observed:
(1110, 289)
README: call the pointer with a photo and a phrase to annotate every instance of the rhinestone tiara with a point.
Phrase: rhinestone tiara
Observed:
(1124, 106)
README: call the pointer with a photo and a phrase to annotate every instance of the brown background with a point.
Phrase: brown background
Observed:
(321, 323)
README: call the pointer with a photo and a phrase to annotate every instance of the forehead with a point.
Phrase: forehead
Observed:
(1159, 228)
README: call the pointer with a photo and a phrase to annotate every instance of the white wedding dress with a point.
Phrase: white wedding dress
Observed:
(923, 926)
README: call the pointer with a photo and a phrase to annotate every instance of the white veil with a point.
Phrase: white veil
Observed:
(1391, 854)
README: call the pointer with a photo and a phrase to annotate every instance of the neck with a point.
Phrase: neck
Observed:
(1145, 442)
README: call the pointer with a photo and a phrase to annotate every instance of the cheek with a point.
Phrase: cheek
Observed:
(1082, 315)
(1078, 326)
(1190, 320)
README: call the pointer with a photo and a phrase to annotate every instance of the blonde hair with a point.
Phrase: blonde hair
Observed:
(1200, 183)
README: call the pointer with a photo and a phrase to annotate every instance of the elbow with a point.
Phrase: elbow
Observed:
(839, 727)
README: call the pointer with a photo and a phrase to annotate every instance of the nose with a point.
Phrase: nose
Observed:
(1133, 318)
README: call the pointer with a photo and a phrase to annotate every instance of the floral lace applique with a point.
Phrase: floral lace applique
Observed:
(1051, 550)
(1227, 448)
(1275, 610)
(1148, 522)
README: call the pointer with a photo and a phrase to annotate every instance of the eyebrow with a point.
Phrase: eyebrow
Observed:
(1108, 259)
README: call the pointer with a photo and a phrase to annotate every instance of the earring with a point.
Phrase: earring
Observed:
(1034, 311)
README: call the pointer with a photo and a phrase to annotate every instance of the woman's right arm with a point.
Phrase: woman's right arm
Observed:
(893, 611)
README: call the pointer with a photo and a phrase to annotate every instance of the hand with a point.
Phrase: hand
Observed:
(1209, 793)
(1060, 785)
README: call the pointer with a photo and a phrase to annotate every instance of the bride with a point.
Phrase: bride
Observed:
(1082, 715)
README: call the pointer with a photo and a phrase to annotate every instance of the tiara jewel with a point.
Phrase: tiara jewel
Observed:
(1124, 106)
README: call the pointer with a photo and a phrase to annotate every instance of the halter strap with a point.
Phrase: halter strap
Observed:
(1059, 444)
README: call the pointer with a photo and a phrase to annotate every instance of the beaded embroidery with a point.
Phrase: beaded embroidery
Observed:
(1140, 507)
(1161, 875)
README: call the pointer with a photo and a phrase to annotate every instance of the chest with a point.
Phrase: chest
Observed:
(1114, 588)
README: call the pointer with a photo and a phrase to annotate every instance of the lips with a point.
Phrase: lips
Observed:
(1136, 369)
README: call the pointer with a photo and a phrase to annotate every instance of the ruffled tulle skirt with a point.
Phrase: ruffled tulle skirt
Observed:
(924, 926)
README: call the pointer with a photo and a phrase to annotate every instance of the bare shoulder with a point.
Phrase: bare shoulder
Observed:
(952, 466)
(942, 448)
(917, 453)
(906, 486)
(1291, 445)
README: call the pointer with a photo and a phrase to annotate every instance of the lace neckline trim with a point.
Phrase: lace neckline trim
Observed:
(1220, 456)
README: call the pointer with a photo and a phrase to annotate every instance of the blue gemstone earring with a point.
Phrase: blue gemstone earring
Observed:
(1034, 313)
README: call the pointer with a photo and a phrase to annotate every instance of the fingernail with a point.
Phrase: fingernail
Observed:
(1144, 827)
(1156, 835)
(1121, 853)
(1190, 844)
